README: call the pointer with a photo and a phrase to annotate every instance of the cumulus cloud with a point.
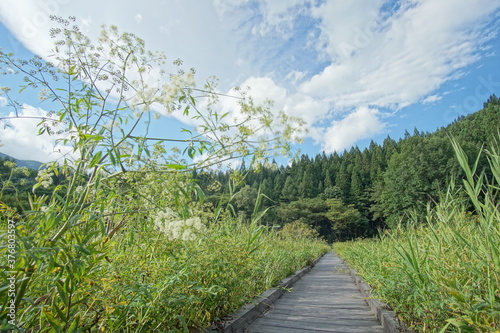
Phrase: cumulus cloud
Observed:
(259, 89)
(297, 104)
(273, 16)
(393, 58)
(21, 140)
(315, 59)
(295, 76)
(198, 37)
(361, 124)
(30, 21)
(378, 53)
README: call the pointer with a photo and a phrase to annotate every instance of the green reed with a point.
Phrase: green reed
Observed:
(442, 275)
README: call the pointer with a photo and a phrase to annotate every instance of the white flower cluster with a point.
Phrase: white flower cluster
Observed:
(112, 124)
(172, 91)
(166, 94)
(168, 222)
(43, 94)
(44, 178)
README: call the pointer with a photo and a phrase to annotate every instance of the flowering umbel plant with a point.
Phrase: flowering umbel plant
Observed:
(103, 97)
(44, 178)
(169, 223)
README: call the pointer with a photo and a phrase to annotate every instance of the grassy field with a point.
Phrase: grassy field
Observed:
(442, 274)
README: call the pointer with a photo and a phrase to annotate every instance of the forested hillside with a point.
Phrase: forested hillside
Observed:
(18, 179)
(354, 193)
(35, 165)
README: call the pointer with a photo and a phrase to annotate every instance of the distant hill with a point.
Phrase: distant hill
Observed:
(35, 165)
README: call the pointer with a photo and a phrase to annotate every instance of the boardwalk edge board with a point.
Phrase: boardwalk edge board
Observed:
(387, 318)
(241, 319)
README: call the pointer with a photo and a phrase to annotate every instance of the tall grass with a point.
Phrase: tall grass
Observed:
(442, 275)
(188, 285)
(151, 284)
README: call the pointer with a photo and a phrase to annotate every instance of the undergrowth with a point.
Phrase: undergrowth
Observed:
(189, 285)
(148, 283)
(442, 275)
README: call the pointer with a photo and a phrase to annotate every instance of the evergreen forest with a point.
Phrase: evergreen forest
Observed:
(356, 193)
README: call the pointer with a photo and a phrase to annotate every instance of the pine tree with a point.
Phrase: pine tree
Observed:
(307, 188)
(290, 190)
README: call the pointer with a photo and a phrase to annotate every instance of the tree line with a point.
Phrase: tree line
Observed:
(357, 192)
(342, 195)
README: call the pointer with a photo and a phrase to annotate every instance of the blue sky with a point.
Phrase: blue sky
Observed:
(354, 70)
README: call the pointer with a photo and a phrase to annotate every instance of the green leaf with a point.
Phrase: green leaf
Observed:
(82, 249)
(74, 325)
(199, 191)
(92, 137)
(56, 325)
(62, 292)
(112, 157)
(176, 166)
(95, 160)
(191, 152)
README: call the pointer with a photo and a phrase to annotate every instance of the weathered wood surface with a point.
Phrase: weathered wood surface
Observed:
(324, 300)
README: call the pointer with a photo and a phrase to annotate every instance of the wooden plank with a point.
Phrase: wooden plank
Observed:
(320, 312)
(336, 305)
(327, 317)
(324, 300)
(339, 318)
(311, 326)
(239, 320)
(276, 329)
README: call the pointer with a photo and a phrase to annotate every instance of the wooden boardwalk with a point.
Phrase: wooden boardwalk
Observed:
(324, 300)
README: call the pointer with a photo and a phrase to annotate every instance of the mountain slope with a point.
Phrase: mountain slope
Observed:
(35, 165)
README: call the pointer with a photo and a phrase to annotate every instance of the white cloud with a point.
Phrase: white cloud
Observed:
(275, 16)
(300, 105)
(279, 16)
(21, 140)
(138, 18)
(224, 7)
(346, 26)
(210, 162)
(197, 36)
(272, 9)
(393, 59)
(30, 22)
(315, 59)
(431, 99)
(264, 87)
(261, 88)
(363, 123)
(295, 76)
